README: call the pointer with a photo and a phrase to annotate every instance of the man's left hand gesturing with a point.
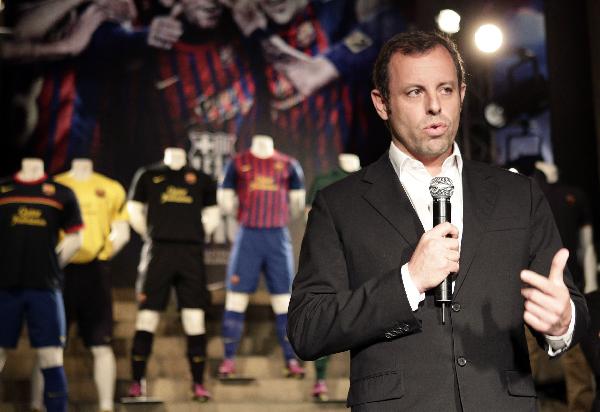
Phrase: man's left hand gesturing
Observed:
(547, 299)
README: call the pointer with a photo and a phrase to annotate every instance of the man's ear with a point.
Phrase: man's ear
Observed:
(380, 104)
(463, 90)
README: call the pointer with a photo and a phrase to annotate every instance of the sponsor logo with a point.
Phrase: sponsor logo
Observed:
(264, 183)
(4, 189)
(158, 179)
(28, 216)
(175, 194)
(48, 189)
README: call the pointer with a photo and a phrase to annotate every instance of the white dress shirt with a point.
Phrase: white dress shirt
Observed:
(415, 180)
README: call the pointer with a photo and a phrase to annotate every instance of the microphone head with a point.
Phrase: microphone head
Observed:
(441, 187)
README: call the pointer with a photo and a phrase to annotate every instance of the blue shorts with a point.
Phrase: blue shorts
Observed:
(42, 309)
(261, 250)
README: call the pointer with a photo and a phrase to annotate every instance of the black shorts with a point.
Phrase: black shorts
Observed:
(88, 301)
(180, 265)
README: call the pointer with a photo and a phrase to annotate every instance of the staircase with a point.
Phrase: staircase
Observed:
(168, 376)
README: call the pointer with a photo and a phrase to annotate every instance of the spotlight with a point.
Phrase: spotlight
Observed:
(448, 21)
(488, 38)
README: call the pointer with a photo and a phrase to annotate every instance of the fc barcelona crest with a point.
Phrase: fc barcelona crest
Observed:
(48, 189)
(190, 178)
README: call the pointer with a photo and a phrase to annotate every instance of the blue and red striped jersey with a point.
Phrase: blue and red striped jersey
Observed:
(262, 186)
(329, 121)
(208, 85)
(70, 98)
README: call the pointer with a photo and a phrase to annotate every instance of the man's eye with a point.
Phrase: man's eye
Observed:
(414, 92)
(447, 90)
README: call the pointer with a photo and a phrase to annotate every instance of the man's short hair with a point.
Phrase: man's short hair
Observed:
(412, 43)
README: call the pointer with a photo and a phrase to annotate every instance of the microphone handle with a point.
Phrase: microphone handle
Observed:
(442, 211)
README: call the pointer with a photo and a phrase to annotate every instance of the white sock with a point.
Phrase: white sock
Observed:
(37, 388)
(105, 371)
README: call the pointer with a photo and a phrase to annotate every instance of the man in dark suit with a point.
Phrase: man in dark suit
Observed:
(371, 259)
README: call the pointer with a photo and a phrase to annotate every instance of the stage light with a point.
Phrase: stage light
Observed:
(488, 38)
(448, 21)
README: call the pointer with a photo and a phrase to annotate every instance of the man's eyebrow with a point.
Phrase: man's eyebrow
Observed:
(420, 86)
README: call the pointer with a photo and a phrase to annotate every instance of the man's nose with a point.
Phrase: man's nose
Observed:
(433, 104)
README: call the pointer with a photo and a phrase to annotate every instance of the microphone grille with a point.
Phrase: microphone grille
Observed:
(441, 187)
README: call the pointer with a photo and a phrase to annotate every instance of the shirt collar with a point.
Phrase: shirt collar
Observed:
(401, 160)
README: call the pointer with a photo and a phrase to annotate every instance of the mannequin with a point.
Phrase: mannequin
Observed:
(262, 146)
(38, 208)
(178, 193)
(86, 278)
(347, 163)
(175, 158)
(267, 184)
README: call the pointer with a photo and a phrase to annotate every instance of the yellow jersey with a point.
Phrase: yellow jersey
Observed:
(102, 202)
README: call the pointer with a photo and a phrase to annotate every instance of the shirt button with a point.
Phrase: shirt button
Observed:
(461, 361)
(456, 307)
(389, 335)
(405, 328)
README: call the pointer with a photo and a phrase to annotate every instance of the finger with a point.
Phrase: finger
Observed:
(445, 229)
(453, 256)
(176, 10)
(558, 266)
(546, 301)
(169, 36)
(539, 282)
(451, 243)
(542, 313)
(535, 322)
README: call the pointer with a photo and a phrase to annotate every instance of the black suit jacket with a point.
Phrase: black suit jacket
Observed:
(348, 293)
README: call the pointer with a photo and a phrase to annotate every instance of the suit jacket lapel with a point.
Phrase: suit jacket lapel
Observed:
(387, 196)
(479, 197)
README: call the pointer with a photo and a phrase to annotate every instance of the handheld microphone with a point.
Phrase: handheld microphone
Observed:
(441, 189)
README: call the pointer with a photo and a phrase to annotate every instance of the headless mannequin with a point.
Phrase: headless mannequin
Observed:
(104, 359)
(262, 147)
(48, 357)
(192, 319)
(82, 169)
(349, 162)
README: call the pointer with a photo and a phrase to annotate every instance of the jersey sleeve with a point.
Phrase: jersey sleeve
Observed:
(296, 175)
(71, 220)
(137, 191)
(119, 210)
(229, 176)
(209, 193)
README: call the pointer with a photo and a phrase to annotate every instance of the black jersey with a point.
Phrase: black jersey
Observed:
(31, 217)
(175, 199)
